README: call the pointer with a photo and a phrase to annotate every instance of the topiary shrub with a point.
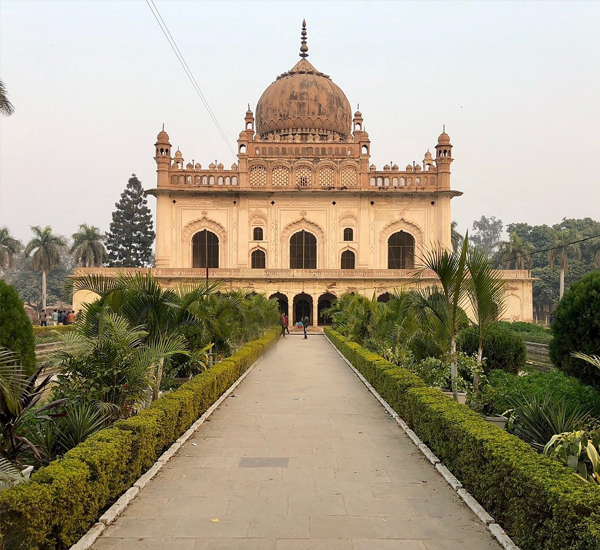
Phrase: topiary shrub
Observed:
(576, 327)
(16, 331)
(502, 348)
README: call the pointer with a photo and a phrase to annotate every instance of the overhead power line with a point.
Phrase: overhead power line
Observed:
(516, 255)
(165, 29)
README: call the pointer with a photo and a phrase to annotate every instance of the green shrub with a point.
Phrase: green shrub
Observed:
(51, 332)
(576, 327)
(16, 332)
(63, 500)
(540, 384)
(539, 502)
(502, 348)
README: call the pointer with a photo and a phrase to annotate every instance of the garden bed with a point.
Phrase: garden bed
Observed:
(539, 502)
(64, 499)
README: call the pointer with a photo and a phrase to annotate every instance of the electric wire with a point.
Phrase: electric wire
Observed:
(541, 251)
(165, 29)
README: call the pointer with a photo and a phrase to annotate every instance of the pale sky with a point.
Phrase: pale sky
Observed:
(517, 85)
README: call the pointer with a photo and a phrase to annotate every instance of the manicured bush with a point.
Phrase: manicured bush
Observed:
(502, 348)
(576, 327)
(529, 331)
(540, 384)
(539, 502)
(16, 332)
(63, 500)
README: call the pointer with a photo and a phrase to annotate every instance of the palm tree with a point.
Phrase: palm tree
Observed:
(6, 107)
(88, 248)
(447, 303)
(8, 248)
(563, 249)
(487, 295)
(46, 256)
(516, 250)
(143, 302)
(456, 237)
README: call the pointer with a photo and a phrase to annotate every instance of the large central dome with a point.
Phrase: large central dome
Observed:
(303, 101)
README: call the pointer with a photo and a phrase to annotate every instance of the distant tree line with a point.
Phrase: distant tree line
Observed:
(39, 269)
(557, 255)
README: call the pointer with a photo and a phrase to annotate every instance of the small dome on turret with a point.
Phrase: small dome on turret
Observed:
(178, 154)
(395, 167)
(428, 155)
(444, 139)
(386, 168)
(162, 136)
(409, 168)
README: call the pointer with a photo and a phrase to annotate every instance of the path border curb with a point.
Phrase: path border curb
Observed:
(494, 528)
(110, 515)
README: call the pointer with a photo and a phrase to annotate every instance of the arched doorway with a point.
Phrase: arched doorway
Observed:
(303, 250)
(282, 302)
(384, 298)
(205, 250)
(303, 304)
(401, 251)
(325, 302)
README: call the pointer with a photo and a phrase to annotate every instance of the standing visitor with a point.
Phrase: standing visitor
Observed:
(71, 317)
(65, 318)
(43, 318)
(282, 320)
(54, 317)
(305, 324)
(287, 328)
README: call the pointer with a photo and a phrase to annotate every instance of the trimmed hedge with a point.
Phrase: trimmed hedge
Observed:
(63, 500)
(539, 502)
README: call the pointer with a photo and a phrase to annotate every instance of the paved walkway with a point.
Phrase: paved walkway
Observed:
(301, 457)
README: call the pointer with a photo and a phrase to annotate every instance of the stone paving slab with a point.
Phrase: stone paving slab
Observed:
(300, 457)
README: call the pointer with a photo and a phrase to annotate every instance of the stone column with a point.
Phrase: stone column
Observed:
(315, 315)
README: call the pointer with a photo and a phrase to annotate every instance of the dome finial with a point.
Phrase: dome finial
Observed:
(303, 47)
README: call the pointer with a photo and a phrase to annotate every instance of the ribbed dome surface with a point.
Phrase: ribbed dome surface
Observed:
(303, 100)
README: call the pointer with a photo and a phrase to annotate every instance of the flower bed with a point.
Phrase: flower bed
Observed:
(63, 500)
(539, 502)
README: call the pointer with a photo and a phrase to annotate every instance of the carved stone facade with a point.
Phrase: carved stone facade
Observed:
(303, 185)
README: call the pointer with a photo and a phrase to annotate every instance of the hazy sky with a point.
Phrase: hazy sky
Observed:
(517, 85)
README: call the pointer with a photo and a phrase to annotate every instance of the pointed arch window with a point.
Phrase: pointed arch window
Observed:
(303, 250)
(348, 259)
(348, 234)
(401, 251)
(258, 259)
(205, 250)
(257, 233)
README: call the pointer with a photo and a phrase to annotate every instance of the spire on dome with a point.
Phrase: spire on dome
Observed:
(303, 47)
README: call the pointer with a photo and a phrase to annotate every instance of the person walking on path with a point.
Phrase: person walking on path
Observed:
(43, 318)
(283, 321)
(305, 324)
(287, 328)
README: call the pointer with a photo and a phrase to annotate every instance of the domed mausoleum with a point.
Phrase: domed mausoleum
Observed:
(304, 215)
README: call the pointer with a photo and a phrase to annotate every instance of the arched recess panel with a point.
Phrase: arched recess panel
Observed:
(303, 304)
(205, 250)
(258, 259)
(401, 251)
(325, 302)
(303, 250)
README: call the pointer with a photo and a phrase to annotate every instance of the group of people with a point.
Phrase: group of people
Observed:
(57, 317)
(302, 323)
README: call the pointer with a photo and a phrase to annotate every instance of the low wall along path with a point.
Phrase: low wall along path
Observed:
(300, 456)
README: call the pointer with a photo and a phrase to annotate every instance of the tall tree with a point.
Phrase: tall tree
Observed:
(456, 237)
(46, 253)
(486, 234)
(515, 252)
(131, 234)
(88, 246)
(6, 107)
(564, 249)
(487, 295)
(9, 247)
(451, 270)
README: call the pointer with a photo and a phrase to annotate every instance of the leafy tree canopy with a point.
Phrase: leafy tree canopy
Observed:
(486, 234)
